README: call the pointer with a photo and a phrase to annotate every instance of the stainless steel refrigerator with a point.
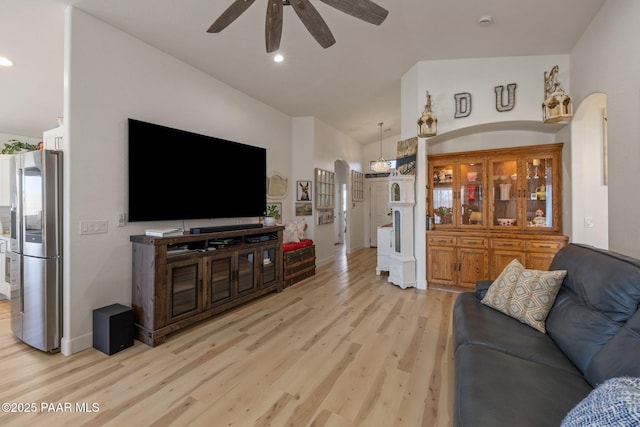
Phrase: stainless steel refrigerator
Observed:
(36, 248)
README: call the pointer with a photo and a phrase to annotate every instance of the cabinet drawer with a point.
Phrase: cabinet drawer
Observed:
(508, 244)
(442, 240)
(544, 246)
(473, 242)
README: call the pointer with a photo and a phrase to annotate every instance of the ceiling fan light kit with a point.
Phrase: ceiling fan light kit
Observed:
(365, 10)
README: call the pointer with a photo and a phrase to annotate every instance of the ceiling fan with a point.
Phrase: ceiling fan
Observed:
(365, 10)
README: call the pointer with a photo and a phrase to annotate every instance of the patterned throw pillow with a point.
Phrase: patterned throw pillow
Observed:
(294, 231)
(614, 403)
(525, 295)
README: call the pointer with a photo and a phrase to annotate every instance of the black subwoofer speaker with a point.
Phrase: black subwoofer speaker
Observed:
(113, 328)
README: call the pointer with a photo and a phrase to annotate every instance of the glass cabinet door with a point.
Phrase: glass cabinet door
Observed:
(443, 194)
(538, 192)
(471, 194)
(183, 280)
(504, 193)
(246, 271)
(269, 265)
(220, 279)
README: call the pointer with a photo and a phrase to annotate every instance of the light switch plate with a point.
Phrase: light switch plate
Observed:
(94, 227)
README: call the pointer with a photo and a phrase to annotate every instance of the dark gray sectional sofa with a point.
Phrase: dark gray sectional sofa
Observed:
(509, 374)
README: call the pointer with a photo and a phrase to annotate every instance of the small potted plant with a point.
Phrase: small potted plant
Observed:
(272, 213)
(14, 146)
(444, 213)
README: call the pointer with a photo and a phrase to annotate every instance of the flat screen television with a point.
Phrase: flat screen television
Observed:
(175, 174)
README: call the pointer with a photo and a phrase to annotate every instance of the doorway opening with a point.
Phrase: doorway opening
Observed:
(341, 214)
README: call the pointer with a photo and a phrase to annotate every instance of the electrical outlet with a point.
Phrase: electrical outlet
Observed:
(122, 219)
(93, 227)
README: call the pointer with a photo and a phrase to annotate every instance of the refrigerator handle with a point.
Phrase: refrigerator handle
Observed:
(16, 205)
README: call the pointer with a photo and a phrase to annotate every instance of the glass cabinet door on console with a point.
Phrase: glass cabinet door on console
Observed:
(246, 271)
(220, 279)
(230, 274)
(269, 274)
(183, 283)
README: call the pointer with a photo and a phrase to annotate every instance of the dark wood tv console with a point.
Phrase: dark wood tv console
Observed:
(180, 280)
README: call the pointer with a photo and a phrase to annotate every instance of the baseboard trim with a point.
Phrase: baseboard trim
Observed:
(76, 345)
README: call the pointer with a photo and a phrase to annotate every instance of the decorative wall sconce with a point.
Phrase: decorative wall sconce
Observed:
(557, 105)
(427, 123)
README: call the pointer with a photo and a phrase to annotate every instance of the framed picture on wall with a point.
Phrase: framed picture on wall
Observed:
(276, 186)
(325, 216)
(407, 154)
(304, 209)
(303, 191)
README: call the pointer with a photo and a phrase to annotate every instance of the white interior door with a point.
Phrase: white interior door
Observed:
(379, 207)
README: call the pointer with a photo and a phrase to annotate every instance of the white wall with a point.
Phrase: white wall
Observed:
(607, 59)
(302, 168)
(330, 145)
(479, 77)
(112, 76)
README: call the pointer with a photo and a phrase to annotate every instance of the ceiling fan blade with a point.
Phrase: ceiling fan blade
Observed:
(314, 22)
(273, 25)
(362, 9)
(230, 15)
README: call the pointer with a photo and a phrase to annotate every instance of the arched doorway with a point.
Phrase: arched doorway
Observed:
(588, 171)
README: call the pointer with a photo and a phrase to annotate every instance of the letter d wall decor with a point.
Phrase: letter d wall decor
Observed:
(463, 104)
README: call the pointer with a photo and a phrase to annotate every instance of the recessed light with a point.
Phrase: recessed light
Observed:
(485, 20)
(5, 61)
(278, 58)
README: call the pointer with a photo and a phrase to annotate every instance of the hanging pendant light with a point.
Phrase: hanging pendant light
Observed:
(381, 165)
(427, 123)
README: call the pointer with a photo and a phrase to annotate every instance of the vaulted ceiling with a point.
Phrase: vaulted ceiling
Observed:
(352, 85)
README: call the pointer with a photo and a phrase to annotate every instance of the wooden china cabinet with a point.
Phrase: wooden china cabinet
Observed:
(490, 207)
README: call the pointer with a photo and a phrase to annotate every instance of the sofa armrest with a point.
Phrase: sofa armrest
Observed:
(481, 288)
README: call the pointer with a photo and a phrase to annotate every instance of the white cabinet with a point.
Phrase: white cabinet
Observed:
(53, 139)
(385, 248)
(5, 180)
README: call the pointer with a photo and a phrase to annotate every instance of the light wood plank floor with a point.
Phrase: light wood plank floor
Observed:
(342, 349)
